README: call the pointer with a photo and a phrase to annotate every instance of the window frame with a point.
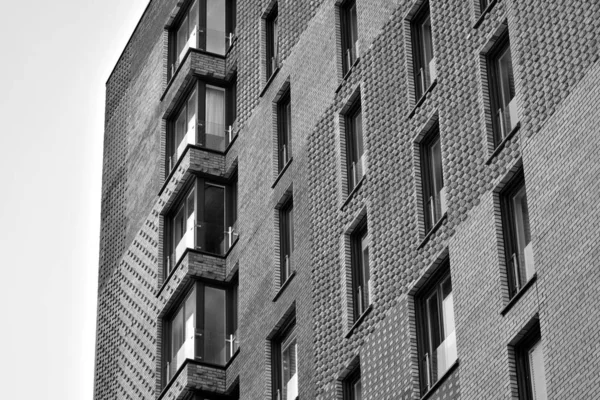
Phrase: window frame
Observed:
(499, 48)
(349, 384)
(231, 324)
(428, 178)
(198, 185)
(286, 240)
(354, 144)
(433, 286)
(287, 332)
(284, 130)
(198, 89)
(349, 30)
(272, 41)
(521, 350)
(359, 271)
(510, 242)
(230, 22)
(419, 51)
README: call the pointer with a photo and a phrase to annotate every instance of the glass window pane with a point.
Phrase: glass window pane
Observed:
(537, 372)
(214, 325)
(523, 235)
(448, 308)
(505, 74)
(193, 16)
(357, 390)
(215, 118)
(436, 166)
(178, 226)
(180, 128)
(182, 36)
(427, 44)
(358, 132)
(214, 219)
(215, 23)
(433, 322)
(353, 30)
(366, 278)
(289, 368)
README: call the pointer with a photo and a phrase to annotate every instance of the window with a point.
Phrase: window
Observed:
(286, 239)
(531, 375)
(436, 336)
(284, 130)
(501, 84)
(361, 278)
(434, 191)
(349, 25)
(352, 388)
(205, 220)
(285, 364)
(483, 4)
(202, 328)
(272, 45)
(425, 72)
(518, 250)
(205, 119)
(206, 25)
(354, 146)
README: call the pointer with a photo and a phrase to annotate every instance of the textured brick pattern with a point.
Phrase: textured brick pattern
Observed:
(557, 75)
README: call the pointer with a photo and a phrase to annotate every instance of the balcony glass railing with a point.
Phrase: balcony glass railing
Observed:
(436, 364)
(215, 137)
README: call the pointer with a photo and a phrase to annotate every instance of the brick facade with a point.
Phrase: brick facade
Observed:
(555, 56)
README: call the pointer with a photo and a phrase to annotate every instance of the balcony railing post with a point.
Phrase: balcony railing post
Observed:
(354, 174)
(349, 58)
(432, 209)
(287, 266)
(423, 88)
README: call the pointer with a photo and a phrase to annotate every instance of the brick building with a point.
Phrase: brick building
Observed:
(359, 199)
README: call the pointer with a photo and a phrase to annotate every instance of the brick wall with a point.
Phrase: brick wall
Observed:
(555, 56)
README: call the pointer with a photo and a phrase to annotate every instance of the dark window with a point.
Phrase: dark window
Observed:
(202, 328)
(354, 146)
(349, 25)
(502, 90)
(434, 192)
(284, 130)
(284, 361)
(423, 60)
(483, 4)
(206, 25)
(517, 234)
(286, 239)
(205, 119)
(272, 45)
(436, 336)
(205, 219)
(531, 374)
(352, 385)
(361, 277)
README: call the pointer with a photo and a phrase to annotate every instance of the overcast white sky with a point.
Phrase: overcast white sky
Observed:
(56, 57)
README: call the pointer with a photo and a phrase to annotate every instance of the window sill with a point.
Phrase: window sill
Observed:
(281, 173)
(502, 144)
(484, 13)
(284, 285)
(433, 230)
(359, 321)
(439, 382)
(518, 295)
(347, 75)
(353, 192)
(185, 253)
(422, 99)
(271, 79)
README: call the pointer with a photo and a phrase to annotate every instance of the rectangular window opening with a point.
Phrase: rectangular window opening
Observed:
(424, 63)
(349, 27)
(435, 327)
(284, 130)
(361, 276)
(285, 364)
(501, 83)
(432, 178)
(272, 45)
(286, 240)
(531, 374)
(355, 150)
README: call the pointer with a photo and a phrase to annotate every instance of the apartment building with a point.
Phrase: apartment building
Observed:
(357, 199)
